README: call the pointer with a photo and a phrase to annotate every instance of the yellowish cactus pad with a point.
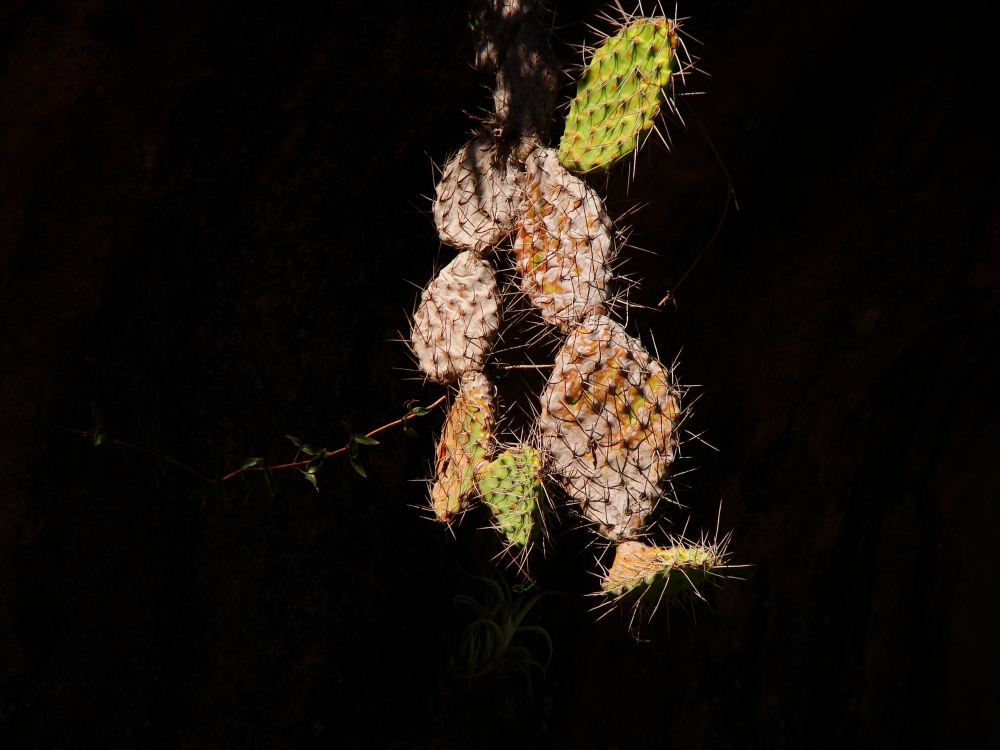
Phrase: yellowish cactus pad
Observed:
(464, 450)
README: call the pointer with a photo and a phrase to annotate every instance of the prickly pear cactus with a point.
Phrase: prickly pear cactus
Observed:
(563, 243)
(465, 446)
(609, 417)
(475, 200)
(643, 572)
(512, 488)
(610, 412)
(456, 320)
(620, 94)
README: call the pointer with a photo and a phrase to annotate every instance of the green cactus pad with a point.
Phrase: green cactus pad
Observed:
(619, 95)
(640, 571)
(512, 487)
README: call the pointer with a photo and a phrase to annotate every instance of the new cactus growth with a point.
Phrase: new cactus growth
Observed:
(456, 320)
(465, 447)
(640, 571)
(512, 487)
(609, 416)
(475, 199)
(620, 95)
(563, 243)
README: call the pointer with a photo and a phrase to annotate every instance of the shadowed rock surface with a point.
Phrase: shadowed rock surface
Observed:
(210, 216)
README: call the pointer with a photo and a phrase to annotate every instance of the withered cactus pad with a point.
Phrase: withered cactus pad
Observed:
(563, 243)
(609, 414)
(454, 325)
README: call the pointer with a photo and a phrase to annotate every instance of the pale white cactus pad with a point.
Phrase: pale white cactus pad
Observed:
(563, 242)
(454, 325)
(609, 414)
(476, 201)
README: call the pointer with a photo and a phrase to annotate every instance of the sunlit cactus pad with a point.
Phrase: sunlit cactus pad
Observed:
(640, 571)
(563, 243)
(609, 417)
(620, 94)
(454, 325)
(475, 200)
(465, 447)
(512, 487)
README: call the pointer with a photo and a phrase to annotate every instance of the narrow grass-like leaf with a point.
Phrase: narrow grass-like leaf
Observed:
(97, 413)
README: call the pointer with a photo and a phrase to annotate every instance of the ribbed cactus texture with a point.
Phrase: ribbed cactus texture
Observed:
(620, 95)
(605, 435)
(475, 204)
(454, 325)
(512, 488)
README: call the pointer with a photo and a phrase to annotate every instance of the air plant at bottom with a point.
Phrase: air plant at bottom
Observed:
(493, 643)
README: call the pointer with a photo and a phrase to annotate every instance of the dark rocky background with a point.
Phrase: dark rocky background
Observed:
(210, 219)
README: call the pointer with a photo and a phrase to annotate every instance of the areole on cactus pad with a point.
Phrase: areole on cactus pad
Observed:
(512, 488)
(620, 95)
